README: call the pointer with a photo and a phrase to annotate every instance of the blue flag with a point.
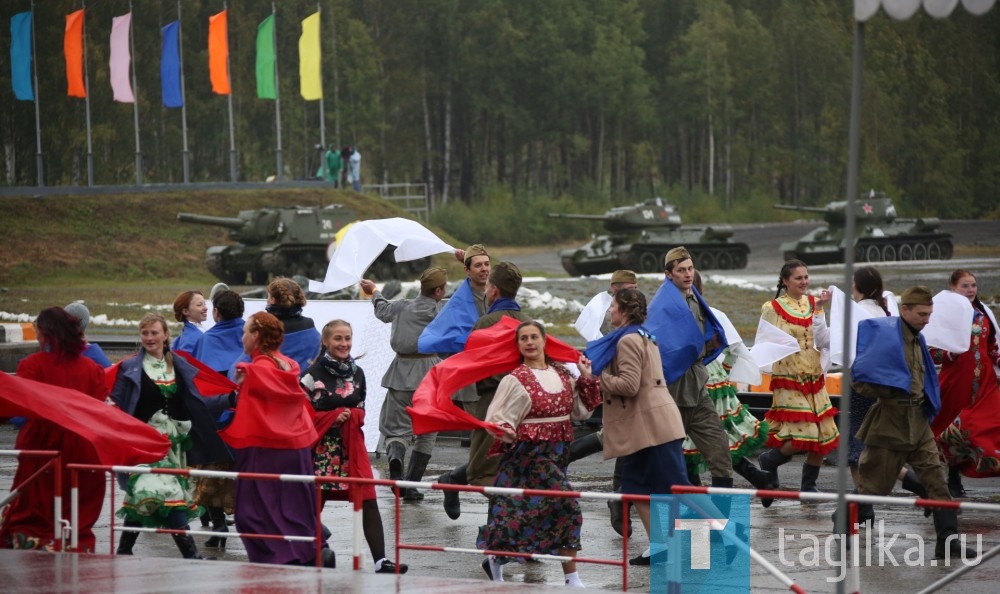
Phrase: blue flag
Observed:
(680, 339)
(880, 361)
(170, 67)
(20, 56)
(449, 330)
(603, 350)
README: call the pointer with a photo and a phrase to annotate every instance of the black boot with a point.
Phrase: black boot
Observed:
(617, 508)
(912, 484)
(809, 475)
(769, 462)
(948, 543)
(187, 547)
(760, 479)
(585, 446)
(127, 541)
(866, 513)
(955, 483)
(415, 472)
(396, 453)
(452, 504)
(218, 517)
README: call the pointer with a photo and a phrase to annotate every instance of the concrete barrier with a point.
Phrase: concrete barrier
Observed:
(17, 332)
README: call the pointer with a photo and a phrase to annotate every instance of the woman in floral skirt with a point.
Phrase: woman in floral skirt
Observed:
(534, 407)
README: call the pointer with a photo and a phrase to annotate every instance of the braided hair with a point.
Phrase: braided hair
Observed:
(786, 273)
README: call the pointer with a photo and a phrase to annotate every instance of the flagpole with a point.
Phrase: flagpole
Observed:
(322, 115)
(86, 91)
(277, 95)
(232, 139)
(185, 160)
(135, 91)
(336, 85)
(38, 118)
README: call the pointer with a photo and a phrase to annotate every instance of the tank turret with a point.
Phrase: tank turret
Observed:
(286, 241)
(879, 235)
(639, 236)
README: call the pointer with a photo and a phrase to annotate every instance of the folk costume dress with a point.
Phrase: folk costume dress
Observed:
(334, 386)
(801, 411)
(746, 434)
(539, 404)
(27, 521)
(160, 500)
(967, 426)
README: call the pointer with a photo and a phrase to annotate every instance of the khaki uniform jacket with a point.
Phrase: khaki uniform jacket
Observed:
(638, 409)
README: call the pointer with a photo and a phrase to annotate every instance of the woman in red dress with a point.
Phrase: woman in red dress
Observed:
(966, 427)
(27, 522)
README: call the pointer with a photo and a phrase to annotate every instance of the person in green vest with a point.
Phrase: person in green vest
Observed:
(333, 166)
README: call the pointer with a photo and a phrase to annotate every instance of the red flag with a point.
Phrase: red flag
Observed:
(218, 53)
(272, 411)
(488, 352)
(117, 437)
(73, 48)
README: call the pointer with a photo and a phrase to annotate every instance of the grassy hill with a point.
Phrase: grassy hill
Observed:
(133, 238)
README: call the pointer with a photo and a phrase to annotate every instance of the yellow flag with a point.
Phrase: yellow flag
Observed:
(311, 81)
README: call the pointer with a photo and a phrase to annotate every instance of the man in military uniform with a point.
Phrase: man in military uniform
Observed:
(894, 367)
(408, 318)
(477, 269)
(501, 291)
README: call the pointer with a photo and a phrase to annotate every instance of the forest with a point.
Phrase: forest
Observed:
(743, 101)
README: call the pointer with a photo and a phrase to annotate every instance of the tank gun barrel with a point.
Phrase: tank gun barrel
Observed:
(581, 217)
(228, 222)
(800, 208)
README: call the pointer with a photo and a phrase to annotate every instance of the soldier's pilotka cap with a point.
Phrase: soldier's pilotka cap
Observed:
(433, 278)
(918, 295)
(676, 255)
(623, 276)
(506, 277)
(476, 249)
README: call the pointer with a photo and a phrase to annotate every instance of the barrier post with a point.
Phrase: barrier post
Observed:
(356, 504)
(319, 523)
(57, 527)
(74, 511)
(626, 522)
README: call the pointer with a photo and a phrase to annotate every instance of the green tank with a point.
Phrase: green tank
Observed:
(287, 241)
(879, 235)
(640, 235)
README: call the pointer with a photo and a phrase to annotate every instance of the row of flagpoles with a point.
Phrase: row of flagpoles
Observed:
(24, 74)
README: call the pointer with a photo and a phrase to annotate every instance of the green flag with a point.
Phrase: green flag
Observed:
(266, 83)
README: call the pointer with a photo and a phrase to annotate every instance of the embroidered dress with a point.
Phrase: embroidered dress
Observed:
(746, 434)
(150, 498)
(801, 411)
(966, 427)
(540, 405)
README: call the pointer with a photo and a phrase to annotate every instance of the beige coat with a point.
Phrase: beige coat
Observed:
(638, 409)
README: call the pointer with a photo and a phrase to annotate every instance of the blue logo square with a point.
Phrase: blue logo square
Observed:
(690, 554)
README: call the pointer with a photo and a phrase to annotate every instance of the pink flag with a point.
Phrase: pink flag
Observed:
(121, 82)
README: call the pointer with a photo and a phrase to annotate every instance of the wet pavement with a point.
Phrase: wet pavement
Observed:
(426, 523)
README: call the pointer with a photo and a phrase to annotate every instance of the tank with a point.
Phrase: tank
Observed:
(640, 235)
(879, 235)
(286, 241)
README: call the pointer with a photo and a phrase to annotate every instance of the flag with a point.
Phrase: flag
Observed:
(73, 47)
(449, 330)
(678, 336)
(170, 66)
(218, 53)
(311, 85)
(121, 59)
(20, 56)
(266, 83)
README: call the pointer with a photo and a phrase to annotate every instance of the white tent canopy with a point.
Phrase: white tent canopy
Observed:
(902, 10)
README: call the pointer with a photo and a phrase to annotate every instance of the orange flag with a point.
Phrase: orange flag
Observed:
(73, 46)
(218, 53)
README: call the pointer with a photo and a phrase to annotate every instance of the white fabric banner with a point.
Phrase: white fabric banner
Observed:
(366, 240)
(121, 58)
(772, 344)
(951, 323)
(590, 320)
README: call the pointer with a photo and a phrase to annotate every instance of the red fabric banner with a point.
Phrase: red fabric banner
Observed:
(117, 437)
(218, 53)
(488, 352)
(73, 48)
(272, 411)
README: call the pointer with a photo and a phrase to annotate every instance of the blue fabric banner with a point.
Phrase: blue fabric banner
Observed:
(170, 67)
(449, 330)
(680, 340)
(20, 56)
